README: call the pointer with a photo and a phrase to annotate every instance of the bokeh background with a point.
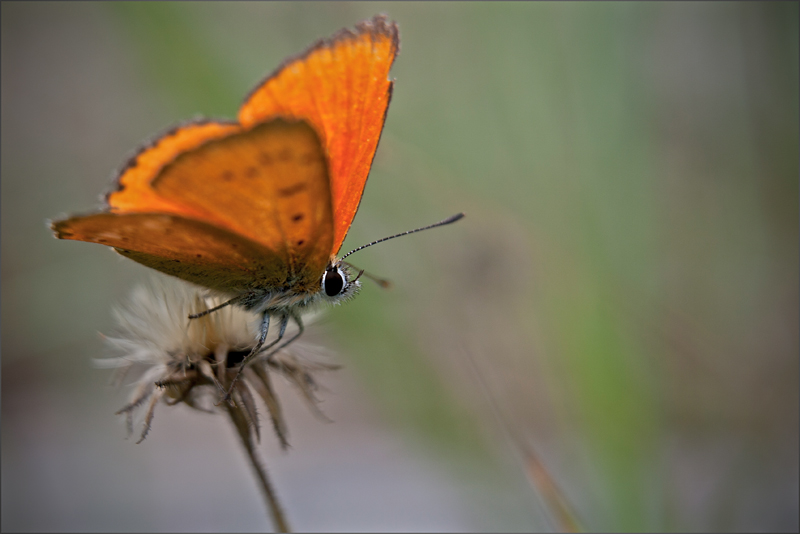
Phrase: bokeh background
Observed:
(619, 309)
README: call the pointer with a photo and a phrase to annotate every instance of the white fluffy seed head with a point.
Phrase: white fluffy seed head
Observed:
(184, 360)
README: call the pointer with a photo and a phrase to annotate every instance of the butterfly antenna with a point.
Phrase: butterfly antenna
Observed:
(449, 220)
(385, 284)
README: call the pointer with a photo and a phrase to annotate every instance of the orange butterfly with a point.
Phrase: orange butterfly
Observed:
(258, 208)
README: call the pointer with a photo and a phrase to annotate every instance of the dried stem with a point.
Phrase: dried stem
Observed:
(555, 500)
(242, 428)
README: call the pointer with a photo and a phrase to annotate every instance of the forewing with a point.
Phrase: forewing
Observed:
(341, 86)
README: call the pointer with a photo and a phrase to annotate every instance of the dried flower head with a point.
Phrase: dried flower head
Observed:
(192, 361)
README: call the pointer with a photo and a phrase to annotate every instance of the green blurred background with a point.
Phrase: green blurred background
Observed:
(621, 300)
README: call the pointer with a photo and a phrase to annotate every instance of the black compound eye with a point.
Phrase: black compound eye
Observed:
(333, 282)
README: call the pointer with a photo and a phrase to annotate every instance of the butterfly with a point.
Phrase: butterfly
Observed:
(258, 208)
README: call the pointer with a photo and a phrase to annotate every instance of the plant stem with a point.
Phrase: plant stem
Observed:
(242, 428)
(537, 473)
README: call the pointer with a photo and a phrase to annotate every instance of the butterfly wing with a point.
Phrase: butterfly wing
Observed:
(255, 202)
(134, 193)
(268, 184)
(186, 248)
(341, 87)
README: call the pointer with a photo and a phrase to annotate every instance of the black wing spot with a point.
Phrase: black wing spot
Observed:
(299, 243)
(297, 218)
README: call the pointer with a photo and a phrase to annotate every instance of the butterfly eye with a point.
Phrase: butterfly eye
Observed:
(333, 281)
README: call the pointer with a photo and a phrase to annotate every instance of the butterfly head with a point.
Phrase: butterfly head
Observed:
(338, 282)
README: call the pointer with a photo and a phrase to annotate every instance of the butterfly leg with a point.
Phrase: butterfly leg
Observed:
(258, 347)
(300, 331)
(264, 329)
